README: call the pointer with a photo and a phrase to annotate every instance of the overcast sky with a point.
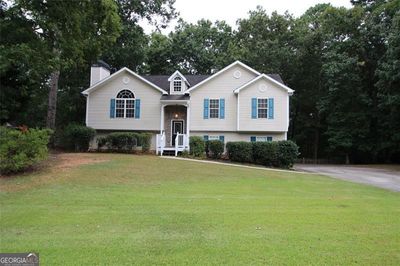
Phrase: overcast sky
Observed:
(231, 10)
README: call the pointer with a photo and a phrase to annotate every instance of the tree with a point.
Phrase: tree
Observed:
(23, 69)
(131, 46)
(201, 48)
(70, 30)
(389, 93)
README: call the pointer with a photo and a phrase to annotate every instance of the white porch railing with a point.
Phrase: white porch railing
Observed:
(160, 143)
(181, 143)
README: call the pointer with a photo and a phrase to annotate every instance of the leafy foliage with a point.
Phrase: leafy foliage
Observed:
(77, 137)
(215, 148)
(20, 150)
(276, 153)
(125, 141)
(240, 151)
(197, 146)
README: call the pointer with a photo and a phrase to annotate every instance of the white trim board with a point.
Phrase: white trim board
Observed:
(97, 85)
(289, 90)
(222, 71)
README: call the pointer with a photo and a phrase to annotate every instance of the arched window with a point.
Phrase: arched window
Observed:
(125, 104)
(177, 84)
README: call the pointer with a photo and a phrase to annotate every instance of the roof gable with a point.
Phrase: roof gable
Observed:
(269, 78)
(222, 71)
(162, 80)
(177, 73)
(119, 72)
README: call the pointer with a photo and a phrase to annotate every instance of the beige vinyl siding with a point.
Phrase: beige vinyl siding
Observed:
(98, 115)
(222, 86)
(281, 98)
(233, 136)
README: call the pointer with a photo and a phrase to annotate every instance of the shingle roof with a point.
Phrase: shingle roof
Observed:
(162, 80)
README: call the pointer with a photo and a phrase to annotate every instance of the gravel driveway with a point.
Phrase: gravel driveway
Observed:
(383, 177)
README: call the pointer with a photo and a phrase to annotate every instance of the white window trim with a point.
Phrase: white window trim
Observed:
(125, 99)
(177, 79)
(213, 137)
(263, 138)
(209, 108)
(262, 98)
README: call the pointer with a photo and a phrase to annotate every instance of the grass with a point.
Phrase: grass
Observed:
(144, 210)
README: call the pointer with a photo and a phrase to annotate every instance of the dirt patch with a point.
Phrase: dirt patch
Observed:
(48, 171)
(71, 160)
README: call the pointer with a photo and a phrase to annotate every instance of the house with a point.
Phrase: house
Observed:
(236, 103)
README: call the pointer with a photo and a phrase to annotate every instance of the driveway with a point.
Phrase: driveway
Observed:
(387, 177)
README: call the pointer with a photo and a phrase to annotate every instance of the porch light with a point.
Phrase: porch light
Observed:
(176, 115)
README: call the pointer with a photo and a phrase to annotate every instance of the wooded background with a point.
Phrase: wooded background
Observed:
(344, 64)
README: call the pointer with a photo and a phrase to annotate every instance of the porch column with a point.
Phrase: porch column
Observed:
(188, 122)
(162, 119)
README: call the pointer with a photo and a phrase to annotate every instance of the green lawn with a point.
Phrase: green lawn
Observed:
(144, 210)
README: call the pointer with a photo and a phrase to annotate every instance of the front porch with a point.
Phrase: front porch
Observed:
(174, 133)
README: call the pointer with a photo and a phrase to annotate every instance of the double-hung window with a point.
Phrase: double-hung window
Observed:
(177, 84)
(125, 104)
(214, 108)
(262, 108)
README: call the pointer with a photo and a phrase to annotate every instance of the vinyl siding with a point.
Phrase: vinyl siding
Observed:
(98, 116)
(219, 87)
(233, 136)
(280, 121)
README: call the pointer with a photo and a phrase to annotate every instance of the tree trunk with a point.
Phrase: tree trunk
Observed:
(52, 107)
(347, 158)
(316, 145)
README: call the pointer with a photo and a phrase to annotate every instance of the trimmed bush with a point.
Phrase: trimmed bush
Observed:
(215, 148)
(145, 141)
(277, 153)
(77, 137)
(197, 146)
(287, 153)
(21, 150)
(125, 141)
(266, 153)
(240, 151)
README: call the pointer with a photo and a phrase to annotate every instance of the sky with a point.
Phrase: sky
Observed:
(231, 10)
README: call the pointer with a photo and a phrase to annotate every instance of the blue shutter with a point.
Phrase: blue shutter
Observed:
(205, 137)
(137, 108)
(271, 108)
(222, 108)
(253, 108)
(222, 138)
(253, 138)
(112, 108)
(205, 111)
(269, 138)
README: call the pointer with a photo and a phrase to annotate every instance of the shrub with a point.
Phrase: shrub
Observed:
(21, 150)
(77, 137)
(197, 146)
(125, 141)
(287, 153)
(145, 141)
(276, 153)
(240, 151)
(266, 153)
(215, 148)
